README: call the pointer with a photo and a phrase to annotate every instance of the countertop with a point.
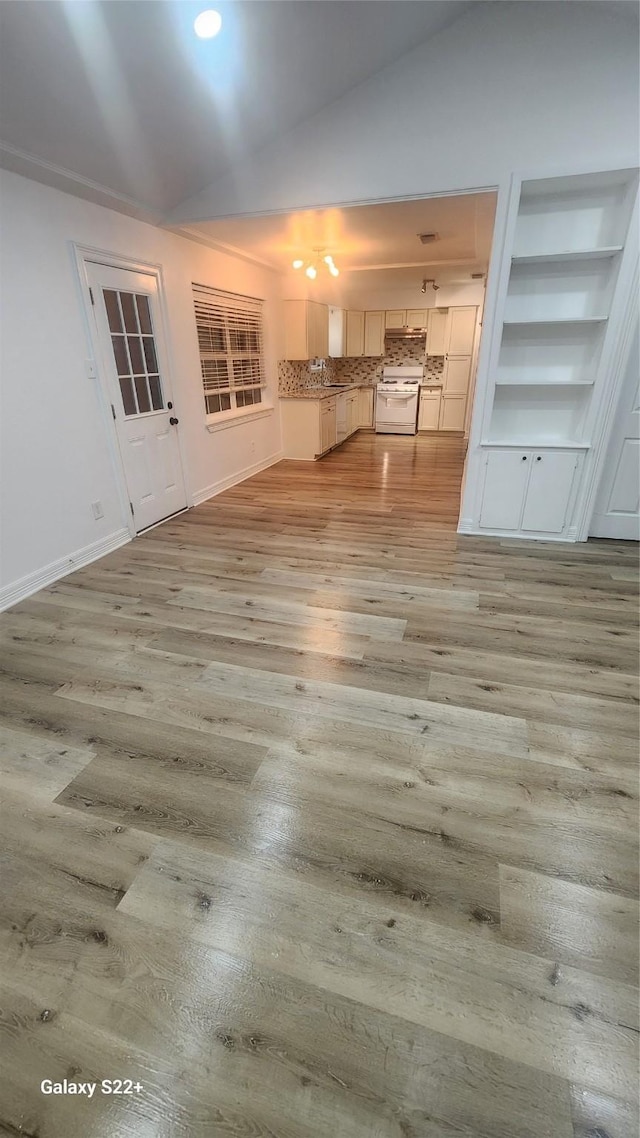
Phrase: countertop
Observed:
(322, 392)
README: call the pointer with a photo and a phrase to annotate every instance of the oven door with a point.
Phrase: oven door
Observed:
(396, 408)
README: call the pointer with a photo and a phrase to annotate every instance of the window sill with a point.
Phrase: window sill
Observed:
(234, 418)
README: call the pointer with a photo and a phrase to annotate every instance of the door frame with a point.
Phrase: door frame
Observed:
(97, 366)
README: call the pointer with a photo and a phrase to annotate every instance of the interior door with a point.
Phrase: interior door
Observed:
(617, 508)
(129, 332)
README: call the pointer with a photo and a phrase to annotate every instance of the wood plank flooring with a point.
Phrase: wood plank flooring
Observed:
(320, 821)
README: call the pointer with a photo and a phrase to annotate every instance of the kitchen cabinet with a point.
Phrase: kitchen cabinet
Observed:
(353, 407)
(437, 326)
(354, 339)
(406, 318)
(366, 405)
(308, 427)
(336, 332)
(528, 490)
(461, 330)
(456, 375)
(429, 410)
(374, 333)
(417, 318)
(306, 329)
(328, 437)
(452, 411)
(395, 318)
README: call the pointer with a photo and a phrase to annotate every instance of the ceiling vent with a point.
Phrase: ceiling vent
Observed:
(477, 276)
(427, 238)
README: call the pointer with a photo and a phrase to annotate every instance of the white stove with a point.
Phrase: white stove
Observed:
(397, 400)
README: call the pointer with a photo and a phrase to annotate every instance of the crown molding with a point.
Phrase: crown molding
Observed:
(58, 178)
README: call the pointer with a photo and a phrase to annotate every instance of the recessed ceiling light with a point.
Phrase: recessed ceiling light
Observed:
(207, 24)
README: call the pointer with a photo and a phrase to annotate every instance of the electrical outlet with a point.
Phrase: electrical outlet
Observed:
(98, 512)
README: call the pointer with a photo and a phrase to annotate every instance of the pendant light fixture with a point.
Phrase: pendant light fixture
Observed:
(311, 267)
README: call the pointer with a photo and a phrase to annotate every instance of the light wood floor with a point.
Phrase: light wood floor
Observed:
(320, 822)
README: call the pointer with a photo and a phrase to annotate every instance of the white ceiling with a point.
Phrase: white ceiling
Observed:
(374, 246)
(124, 97)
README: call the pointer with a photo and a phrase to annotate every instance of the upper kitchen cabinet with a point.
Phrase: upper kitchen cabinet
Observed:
(354, 338)
(437, 325)
(405, 318)
(336, 332)
(306, 329)
(374, 333)
(417, 317)
(461, 329)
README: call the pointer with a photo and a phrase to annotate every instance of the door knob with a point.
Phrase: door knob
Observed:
(174, 422)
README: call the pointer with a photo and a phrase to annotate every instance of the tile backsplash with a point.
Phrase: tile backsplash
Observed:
(293, 375)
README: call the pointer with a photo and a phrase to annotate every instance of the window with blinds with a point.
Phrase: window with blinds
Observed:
(231, 350)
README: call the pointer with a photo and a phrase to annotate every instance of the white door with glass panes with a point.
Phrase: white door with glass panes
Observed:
(128, 326)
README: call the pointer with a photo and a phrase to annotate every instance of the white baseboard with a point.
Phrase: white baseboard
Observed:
(26, 586)
(233, 479)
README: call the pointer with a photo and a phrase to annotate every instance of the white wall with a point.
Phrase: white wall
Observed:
(509, 86)
(55, 458)
(449, 293)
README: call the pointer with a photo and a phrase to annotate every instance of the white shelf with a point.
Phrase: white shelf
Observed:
(534, 444)
(535, 323)
(505, 381)
(554, 412)
(566, 255)
(550, 353)
(559, 290)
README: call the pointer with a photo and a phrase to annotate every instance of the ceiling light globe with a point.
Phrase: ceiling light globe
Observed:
(297, 264)
(207, 24)
(311, 272)
(328, 260)
(334, 272)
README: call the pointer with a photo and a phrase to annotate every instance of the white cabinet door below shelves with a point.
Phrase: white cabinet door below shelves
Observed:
(549, 491)
(505, 484)
(437, 325)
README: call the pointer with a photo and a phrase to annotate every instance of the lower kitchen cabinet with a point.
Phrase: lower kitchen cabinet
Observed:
(328, 435)
(366, 397)
(452, 409)
(308, 427)
(528, 490)
(429, 410)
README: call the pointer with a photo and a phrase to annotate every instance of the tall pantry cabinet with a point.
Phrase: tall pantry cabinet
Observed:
(546, 381)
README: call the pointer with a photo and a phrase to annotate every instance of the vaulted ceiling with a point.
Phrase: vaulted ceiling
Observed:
(121, 103)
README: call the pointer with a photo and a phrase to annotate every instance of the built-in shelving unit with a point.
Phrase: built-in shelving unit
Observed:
(567, 244)
(567, 267)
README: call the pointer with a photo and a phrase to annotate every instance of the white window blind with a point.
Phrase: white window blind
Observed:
(231, 349)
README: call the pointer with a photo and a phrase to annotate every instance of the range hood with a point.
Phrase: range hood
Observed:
(405, 334)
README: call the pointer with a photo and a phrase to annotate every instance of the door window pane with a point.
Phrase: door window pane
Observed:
(128, 311)
(120, 355)
(128, 398)
(135, 353)
(142, 392)
(113, 310)
(150, 353)
(156, 392)
(144, 316)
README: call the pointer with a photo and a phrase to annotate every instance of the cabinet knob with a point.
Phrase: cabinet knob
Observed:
(524, 458)
(538, 457)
